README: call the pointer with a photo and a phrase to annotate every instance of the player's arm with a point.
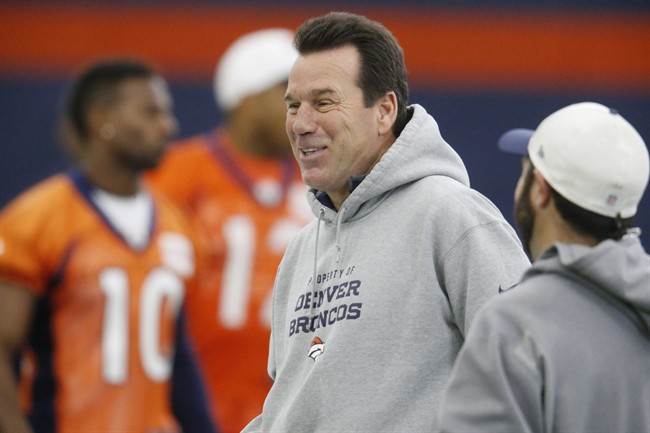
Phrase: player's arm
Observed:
(189, 398)
(16, 310)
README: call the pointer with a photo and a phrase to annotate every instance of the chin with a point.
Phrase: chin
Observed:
(313, 181)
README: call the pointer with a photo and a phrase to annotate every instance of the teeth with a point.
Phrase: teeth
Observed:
(308, 151)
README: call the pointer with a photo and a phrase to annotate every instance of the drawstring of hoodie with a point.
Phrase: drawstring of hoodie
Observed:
(321, 212)
(339, 220)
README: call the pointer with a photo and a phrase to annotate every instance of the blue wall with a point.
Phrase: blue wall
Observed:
(470, 122)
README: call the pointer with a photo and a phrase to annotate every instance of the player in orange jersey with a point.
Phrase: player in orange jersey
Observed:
(93, 274)
(243, 185)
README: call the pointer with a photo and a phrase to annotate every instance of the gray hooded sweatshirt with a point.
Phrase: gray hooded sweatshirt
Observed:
(567, 351)
(371, 303)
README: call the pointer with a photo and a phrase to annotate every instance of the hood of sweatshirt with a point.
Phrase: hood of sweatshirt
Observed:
(618, 269)
(419, 151)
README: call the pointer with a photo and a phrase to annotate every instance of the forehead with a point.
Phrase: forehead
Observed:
(145, 90)
(329, 70)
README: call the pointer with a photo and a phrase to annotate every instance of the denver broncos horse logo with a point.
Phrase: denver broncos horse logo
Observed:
(316, 348)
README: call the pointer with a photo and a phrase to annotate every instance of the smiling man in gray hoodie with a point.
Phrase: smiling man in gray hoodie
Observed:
(373, 298)
(569, 349)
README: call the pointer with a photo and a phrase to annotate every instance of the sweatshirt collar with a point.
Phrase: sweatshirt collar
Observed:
(353, 183)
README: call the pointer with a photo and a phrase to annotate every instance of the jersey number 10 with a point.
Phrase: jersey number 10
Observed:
(161, 284)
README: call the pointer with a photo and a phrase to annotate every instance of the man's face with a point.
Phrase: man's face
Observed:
(143, 121)
(333, 135)
(265, 114)
(524, 213)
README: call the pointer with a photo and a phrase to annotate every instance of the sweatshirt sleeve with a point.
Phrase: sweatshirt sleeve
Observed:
(497, 380)
(486, 260)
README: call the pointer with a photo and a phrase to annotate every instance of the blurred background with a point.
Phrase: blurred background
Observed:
(479, 67)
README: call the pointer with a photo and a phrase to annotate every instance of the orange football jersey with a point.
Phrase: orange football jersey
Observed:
(249, 208)
(104, 328)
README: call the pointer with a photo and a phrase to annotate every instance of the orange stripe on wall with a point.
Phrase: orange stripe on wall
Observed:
(444, 48)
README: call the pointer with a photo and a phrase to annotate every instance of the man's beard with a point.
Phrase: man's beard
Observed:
(141, 162)
(525, 216)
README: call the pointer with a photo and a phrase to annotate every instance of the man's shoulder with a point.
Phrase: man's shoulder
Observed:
(193, 145)
(188, 155)
(45, 195)
(533, 297)
(449, 199)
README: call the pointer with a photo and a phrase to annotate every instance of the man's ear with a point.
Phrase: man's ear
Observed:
(387, 113)
(540, 191)
(97, 118)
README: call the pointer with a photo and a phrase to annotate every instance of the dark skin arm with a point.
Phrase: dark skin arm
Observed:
(16, 309)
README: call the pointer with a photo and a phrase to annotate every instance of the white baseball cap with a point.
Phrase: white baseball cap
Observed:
(589, 154)
(252, 64)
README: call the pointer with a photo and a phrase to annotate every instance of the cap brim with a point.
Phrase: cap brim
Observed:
(515, 141)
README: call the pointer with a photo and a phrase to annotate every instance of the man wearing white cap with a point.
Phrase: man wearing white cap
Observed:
(569, 348)
(243, 185)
